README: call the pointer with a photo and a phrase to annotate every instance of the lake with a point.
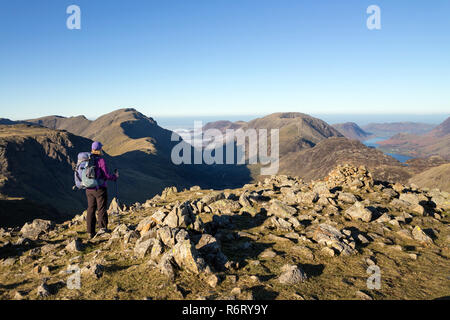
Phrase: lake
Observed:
(373, 143)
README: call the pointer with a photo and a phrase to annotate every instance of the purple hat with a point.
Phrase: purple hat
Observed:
(97, 145)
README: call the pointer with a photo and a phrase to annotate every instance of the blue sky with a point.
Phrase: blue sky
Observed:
(223, 57)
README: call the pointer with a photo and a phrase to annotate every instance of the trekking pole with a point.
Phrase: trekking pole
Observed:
(117, 197)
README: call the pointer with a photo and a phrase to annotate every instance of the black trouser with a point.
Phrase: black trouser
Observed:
(97, 200)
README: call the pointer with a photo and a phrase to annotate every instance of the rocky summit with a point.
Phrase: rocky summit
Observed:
(280, 238)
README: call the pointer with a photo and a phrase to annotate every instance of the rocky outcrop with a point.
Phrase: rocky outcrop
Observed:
(282, 234)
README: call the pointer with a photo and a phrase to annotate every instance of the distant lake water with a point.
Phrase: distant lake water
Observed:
(373, 143)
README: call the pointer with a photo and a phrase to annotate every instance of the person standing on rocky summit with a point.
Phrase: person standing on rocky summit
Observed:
(97, 197)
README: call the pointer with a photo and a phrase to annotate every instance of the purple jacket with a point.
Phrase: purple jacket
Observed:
(102, 172)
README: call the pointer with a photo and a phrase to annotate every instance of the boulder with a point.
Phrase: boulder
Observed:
(358, 211)
(114, 207)
(34, 229)
(212, 197)
(43, 290)
(143, 247)
(281, 209)
(187, 257)
(75, 245)
(347, 197)
(244, 201)
(291, 275)
(307, 197)
(167, 266)
(225, 206)
(328, 235)
(421, 236)
(413, 198)
(406, 205)
(93, 270)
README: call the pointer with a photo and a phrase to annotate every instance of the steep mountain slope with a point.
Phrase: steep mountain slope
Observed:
(392, 128)
(436, 177)
(352, 131)
(435, 142)
(36, 165)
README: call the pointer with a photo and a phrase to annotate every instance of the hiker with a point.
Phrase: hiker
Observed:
(97, 197)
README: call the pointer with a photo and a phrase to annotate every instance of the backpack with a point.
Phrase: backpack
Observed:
(85, 172)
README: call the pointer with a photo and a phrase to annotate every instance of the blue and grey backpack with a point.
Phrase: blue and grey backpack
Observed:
(85, 172)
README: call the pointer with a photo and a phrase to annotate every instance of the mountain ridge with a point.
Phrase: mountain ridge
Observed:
(434, 142)
(352, 131)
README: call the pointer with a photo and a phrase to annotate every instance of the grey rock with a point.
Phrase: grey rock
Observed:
(308, 197)
(167, 266)
(347, 197)
(358, 211)
(142, 248)
(187, 257)
(34, 229)
(268, 254)
(43, 290)
(212, 197)
(93, 269)
(225, 206)
(75, 245)
(281, 209)
(243, 200)
(327, 251)
(291, 274)
(421, 236)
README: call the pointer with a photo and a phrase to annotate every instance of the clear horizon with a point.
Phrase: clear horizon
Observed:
(174, 121)
(222, 58)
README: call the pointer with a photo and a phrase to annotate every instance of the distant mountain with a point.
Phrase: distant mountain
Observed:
(296, 130)
(120, 131)
(390, 129)
(434, 142)
(223, 125)
(309, 148)
(4, 121)
(441, 130)
(352, 131)
(76, 125)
